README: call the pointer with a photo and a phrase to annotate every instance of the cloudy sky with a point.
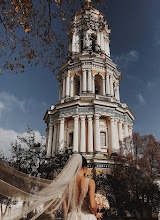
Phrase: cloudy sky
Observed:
(135, 47)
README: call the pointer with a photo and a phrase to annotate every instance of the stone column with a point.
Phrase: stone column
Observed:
(71, 87)
(84, 81)
(89, 80)
(50, 135)
(47, 134)
(96, 134)
(73, 43)
(75, 134)
(113, 143)
(77, 43)
(111, 85)
(120, 131)
(118, 96)
(126, 130)
(102, 41)
(107, 84)
(64, 87)
(93, 84)
(90, 134)
(67, 85)
(116, 135)
(104, 91)
(107, 48)
(61, 134)
(130, 131)
(54, 139)
(83, 135)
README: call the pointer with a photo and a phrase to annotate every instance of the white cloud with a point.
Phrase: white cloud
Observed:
(9, 136)
(125, 59)
(141, 99)
(2, 106)
(10, 101)
(151, 84)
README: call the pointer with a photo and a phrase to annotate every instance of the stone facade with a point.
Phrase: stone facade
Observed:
(89, 117)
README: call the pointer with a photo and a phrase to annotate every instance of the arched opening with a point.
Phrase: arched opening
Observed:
(81, 43)
(93, 38)
(77, 85)
(103, 138)
(98, 85)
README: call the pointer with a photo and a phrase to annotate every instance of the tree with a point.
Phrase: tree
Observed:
(130, 187)
(30, 34)
(29, 156)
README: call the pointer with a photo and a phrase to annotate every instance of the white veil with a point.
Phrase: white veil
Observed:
(36, 192)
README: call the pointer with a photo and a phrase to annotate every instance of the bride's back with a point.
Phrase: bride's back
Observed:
(82, 187)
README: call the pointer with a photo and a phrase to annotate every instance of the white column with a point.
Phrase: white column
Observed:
(73, 43)
(130, 131)
(104, 91)
(113, 143)
(61, 135)
(90, 80)
(54, 139)
(118, 96)
(107, 84)
(126, 130)
(111, 85)
(47, 134)
(77, 43)
(67, 85)
(105, 46)
(102, 41)
(71, 87)
(75, 134)
(64, 87)
(116, 135)
(96, 134)
(90, 134)
(108, 48)
(93, 84)
(50, 135)
(83, 135)
(98, 40)
(120, 131)
(84, 81)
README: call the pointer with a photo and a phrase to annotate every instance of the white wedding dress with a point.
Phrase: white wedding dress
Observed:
(81, 210)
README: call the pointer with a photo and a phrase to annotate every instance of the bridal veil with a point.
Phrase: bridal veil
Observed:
(36, 192)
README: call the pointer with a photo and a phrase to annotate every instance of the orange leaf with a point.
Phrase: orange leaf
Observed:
(27, 30)
(17, 9)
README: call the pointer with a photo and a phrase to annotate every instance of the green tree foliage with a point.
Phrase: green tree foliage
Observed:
(35, 32)
(29, 156)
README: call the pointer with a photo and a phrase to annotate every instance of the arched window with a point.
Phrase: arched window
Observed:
(76, 85)
(103, 138)
(81, 43)
(98, 85)
(93, 38)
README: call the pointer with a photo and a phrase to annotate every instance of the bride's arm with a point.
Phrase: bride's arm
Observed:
(64, 207)
(93, 205)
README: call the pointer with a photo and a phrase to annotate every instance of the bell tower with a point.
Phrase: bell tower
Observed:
(89, 117)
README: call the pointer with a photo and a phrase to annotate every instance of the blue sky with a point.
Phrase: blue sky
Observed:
(135, 47)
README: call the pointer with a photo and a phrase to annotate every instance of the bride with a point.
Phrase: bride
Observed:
(71, 189)
(85, 206)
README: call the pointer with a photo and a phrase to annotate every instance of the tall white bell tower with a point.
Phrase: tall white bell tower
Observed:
(89, 117)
